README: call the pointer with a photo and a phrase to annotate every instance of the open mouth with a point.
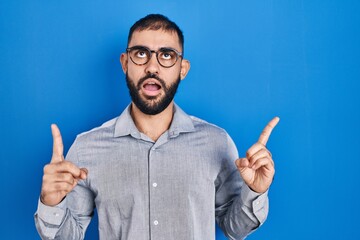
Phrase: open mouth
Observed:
(151, 87)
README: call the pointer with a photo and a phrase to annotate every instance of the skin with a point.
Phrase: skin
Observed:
(154, 125)
(61, 176)
(257, 168)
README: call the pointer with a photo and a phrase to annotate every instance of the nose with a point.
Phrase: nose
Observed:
(152, 66)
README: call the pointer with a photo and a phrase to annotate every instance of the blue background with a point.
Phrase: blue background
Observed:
(251, 60)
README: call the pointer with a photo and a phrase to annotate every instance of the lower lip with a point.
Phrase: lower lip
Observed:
(151, 93)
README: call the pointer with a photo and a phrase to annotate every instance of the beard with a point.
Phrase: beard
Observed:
(152, 105)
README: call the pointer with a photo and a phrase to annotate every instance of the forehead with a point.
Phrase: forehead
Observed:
(155, 39)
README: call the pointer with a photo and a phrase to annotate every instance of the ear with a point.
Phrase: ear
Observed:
(185, 67)
(124, 62)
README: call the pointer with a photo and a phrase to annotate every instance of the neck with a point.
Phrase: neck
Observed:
(152, 125)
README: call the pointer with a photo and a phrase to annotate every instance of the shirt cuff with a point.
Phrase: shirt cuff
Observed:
(258, 202)
(52, 214)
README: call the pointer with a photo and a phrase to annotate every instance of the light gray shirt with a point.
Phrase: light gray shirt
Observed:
(174, 188)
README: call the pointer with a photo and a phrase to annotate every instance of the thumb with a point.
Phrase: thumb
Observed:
(83, 173)
(242, 163)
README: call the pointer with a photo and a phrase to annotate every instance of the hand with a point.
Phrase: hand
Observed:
(257, 168)
(60, 176)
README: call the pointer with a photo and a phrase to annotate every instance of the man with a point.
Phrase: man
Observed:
(155, 172)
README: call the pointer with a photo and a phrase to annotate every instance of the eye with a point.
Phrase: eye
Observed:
(141, 53)
(167, 54)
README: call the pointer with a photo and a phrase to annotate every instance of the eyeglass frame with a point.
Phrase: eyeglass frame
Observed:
(178, 54)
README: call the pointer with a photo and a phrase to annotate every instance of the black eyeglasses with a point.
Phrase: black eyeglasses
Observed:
(166, 57)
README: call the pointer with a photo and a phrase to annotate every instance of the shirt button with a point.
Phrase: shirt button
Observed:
(156, 222)
(56, 214)
(154, 184)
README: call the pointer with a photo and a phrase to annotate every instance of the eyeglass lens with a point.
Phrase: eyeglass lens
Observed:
(165, 56)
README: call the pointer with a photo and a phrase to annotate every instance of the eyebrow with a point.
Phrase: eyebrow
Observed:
(142, 46)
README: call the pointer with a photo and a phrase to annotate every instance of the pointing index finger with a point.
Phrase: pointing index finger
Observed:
(264, 137)
(58, 147)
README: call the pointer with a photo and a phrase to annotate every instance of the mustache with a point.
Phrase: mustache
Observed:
(151, 75)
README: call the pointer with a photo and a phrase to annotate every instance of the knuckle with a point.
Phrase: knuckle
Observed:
(68, 165)
(67, 177)
(45, 178)
(260, 145)
(57, 186)
(263, 134)
(69, 187)
(61, 164)
(47, 168)
(61, 176)
(61, 186)
(44, 188)
(65, 165)
(264, 153)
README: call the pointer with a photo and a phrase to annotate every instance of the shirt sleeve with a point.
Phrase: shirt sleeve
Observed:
(70, 218)
(239, 210)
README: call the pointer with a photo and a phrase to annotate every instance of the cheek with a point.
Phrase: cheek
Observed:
(134, 74)
(173, 74)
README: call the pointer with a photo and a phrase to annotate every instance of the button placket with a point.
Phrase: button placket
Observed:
(153, 184)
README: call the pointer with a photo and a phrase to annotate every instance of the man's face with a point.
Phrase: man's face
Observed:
(152, 87)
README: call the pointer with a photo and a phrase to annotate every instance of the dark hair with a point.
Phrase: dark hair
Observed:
(156, 22)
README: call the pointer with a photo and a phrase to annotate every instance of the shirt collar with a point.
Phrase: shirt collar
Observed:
(181, 123)
(125, 125)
